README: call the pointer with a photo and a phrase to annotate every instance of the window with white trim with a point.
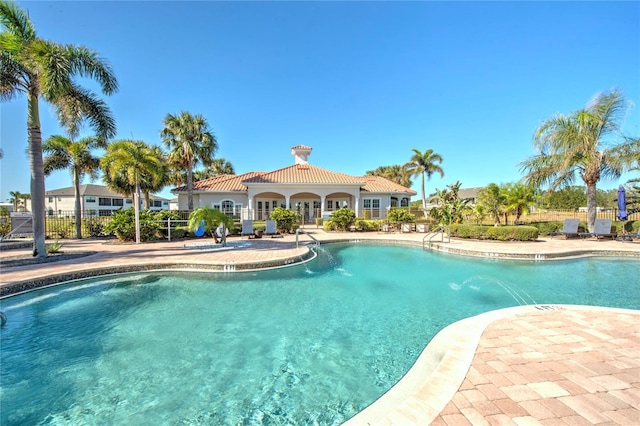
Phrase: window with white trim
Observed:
(372, 205)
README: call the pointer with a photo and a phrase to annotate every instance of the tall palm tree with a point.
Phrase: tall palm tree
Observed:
(190, 141)
(424, 163)
(583, 144)
(149, 183)
(132, 161)
(44, 69)
(63, 153)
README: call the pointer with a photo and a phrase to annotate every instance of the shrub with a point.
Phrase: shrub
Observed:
(123, 225)
(500, 233)
(95, 227)
(367, 225)
(5, 229)
(343, 218)
(329, 225)
(400, 215)
(286, 220)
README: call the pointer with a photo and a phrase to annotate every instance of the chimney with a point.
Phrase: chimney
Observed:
(301, 153)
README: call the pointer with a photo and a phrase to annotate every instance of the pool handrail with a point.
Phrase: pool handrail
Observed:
(440, 230)
(316, 242)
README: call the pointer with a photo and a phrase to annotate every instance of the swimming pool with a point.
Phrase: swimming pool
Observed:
(313, 343)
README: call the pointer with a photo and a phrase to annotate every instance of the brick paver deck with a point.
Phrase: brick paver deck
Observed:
(531, 365)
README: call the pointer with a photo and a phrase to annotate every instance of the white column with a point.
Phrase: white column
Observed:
(250, 208)
(357, 209)
(287, 201)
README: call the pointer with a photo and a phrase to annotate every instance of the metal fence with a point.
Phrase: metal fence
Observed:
(63, 225)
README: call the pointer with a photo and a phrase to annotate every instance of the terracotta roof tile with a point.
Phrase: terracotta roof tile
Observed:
(304, 173)
(223, 183)
(380, 184)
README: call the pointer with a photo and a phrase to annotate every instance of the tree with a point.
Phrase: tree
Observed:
(518, 199)
(16, 196)
(190, 141)
(63, 153)
(396, 173)
(451, 208)
(424, 163)
(212, 218)
(583, 144)
(133, 161)
(219, 166)
(42, 69)
(493, 200)
(149, 183)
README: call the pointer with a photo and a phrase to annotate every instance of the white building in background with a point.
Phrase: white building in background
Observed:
(308, 189)
(96, 200)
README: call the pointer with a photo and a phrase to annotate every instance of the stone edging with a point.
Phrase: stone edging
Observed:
(29, 285)
(443, 365)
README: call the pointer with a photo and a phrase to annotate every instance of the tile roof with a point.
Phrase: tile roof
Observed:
(222, 183)
(380, 184)
(295, 174)
(304, 173)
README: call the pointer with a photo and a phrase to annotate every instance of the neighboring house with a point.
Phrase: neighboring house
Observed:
(173, 204)
(96, 200)
(310, 190)
(470, 194)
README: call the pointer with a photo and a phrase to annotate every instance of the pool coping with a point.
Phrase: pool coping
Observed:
(439, 371)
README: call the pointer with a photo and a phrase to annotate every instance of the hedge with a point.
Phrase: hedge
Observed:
(500, 233)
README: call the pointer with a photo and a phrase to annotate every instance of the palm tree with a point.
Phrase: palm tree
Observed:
(149, 183)
(132, 161)
(219, 166)
(518, 199)
(211, 219)
(190, 141)
(16, 196)
(582, 144)
(63, 153)
(396, 173)
(424, 163)
(493, 200)
(45, 69)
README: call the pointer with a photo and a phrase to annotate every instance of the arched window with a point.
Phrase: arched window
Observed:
(227, 207)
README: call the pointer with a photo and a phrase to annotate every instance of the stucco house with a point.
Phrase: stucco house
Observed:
(310, 190)
(96, 200)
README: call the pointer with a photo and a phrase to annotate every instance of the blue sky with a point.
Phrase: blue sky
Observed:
(361, 82)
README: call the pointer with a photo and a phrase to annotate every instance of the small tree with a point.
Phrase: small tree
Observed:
(343, 218)
(212, 218)
(285, 219)
(401, 215)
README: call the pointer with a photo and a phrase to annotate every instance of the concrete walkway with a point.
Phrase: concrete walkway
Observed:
(530, 365)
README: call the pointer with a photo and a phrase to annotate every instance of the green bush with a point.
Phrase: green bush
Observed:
(546, 228)
(329, 225)
(286, 220)
(95, 227)
(123, 225)
(500, 233)
(343, 218)
(5, 229)
(401, 215)
(367, 225)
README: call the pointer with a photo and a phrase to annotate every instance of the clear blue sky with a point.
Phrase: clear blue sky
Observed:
(361, 82)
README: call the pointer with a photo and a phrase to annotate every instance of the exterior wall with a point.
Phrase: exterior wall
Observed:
(94, 205)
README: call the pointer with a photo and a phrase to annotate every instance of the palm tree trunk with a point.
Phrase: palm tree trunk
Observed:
(136, 209)
(592, 206)
(77, 208)
(147, 201)
(37, 175)
(190, 186)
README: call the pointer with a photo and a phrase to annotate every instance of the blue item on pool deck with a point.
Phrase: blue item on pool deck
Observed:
(199, 232)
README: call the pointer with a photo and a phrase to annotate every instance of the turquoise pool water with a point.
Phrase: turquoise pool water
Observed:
(310, 344)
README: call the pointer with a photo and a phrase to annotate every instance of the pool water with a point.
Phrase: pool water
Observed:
(311, 344)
